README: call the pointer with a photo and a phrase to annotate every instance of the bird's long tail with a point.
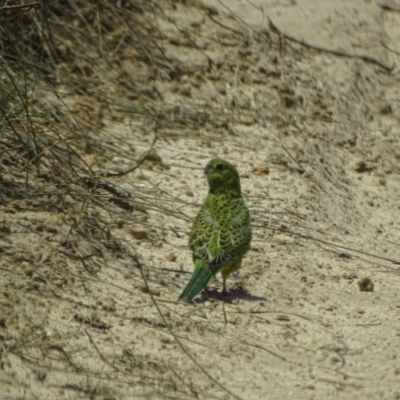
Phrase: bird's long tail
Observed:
(201, 275)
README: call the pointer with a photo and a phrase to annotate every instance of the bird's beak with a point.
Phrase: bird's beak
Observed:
(206, 169)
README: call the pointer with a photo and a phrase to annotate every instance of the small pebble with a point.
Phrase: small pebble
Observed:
(365, 285)
(260, 169)
(213, 10)
(171, 257)
(137, 231)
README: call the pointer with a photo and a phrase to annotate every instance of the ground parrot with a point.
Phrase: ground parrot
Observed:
(221, 232)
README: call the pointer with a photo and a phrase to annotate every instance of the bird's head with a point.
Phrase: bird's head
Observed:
(222, 177)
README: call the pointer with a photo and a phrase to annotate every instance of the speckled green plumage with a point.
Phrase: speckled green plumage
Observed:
(221, 232)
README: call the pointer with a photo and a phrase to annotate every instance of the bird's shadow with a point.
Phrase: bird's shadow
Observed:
(233, 294)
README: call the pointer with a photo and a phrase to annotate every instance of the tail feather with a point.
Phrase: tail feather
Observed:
(201, 276)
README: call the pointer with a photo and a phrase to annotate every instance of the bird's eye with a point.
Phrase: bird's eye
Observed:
(219, 167)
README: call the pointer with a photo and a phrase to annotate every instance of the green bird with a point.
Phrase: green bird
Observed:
(221, 232)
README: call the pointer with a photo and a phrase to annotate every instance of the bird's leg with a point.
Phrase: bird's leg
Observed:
(224, 289)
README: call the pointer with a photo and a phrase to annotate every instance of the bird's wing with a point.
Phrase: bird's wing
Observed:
(221, 232)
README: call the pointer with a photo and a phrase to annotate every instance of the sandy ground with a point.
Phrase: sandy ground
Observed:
(315, 313)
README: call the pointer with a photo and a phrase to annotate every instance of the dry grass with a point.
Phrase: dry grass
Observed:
(54, 152)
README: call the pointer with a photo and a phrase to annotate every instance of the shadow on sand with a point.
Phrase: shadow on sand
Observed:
(238, 293)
